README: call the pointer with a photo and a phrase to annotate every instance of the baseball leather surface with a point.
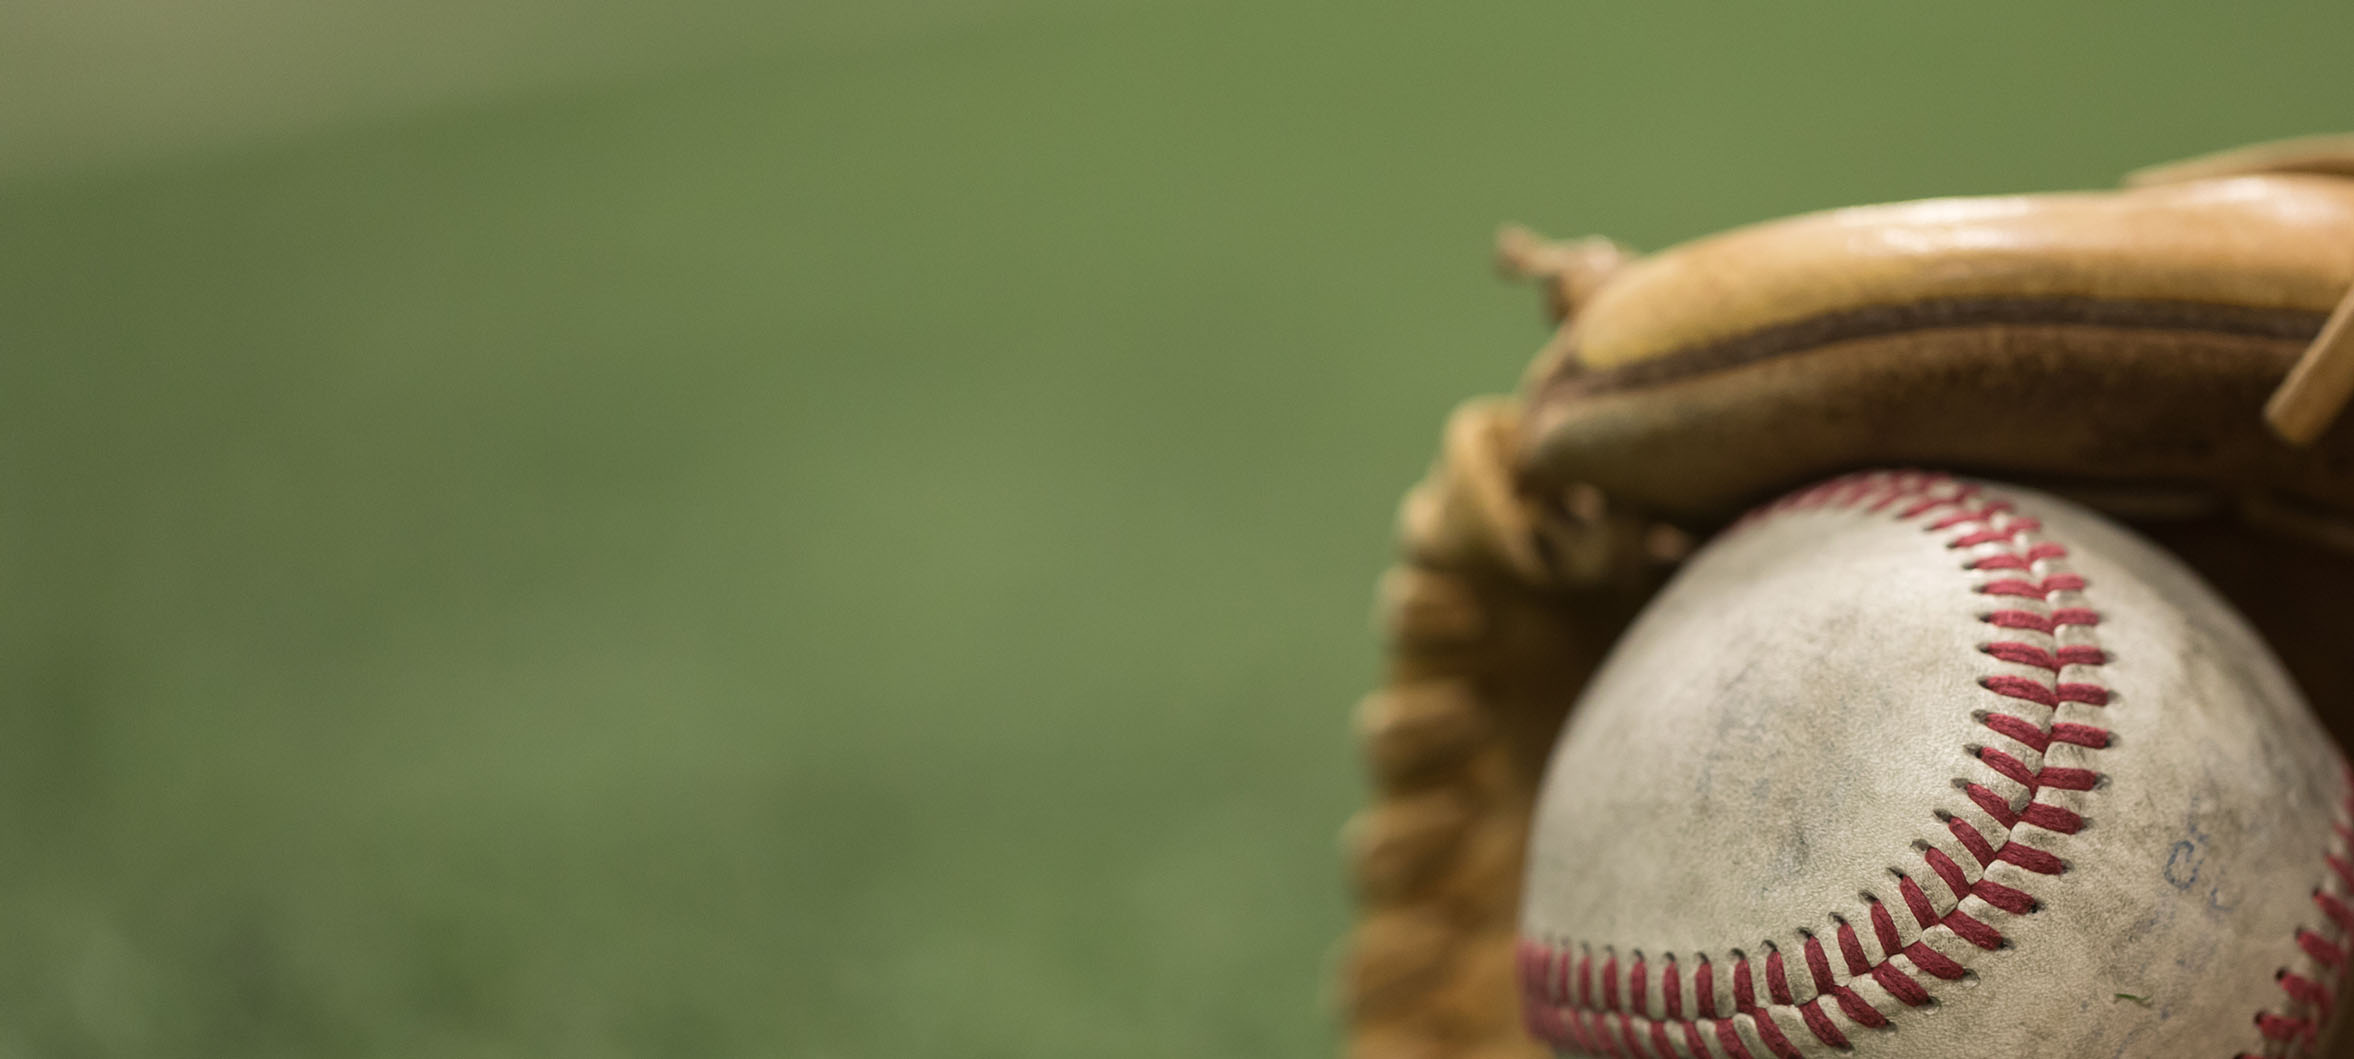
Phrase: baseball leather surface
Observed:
(1907, 765)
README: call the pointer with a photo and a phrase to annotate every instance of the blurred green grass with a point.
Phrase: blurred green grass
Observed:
(858, 546)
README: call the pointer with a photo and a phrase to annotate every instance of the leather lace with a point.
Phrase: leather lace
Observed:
(2318, 387)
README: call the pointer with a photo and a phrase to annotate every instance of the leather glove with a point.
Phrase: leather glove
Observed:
(2172, 354)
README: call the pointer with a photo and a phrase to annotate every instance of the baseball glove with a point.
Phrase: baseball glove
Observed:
(2172, 353)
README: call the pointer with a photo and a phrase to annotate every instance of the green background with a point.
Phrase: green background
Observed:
(830, 531)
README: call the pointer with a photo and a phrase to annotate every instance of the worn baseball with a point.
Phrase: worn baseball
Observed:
(1909, 765)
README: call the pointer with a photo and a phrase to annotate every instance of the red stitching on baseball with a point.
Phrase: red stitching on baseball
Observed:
(1899, 985)
(2024, 732)
(2280, 1027)
(2031, 655)
(1884, 927)
(1923, 914)
(1852, 950)
(1982, 514)
(1933, 961)
(1991, 804)
(2306, 990)
(1731, 1041)
(1778, 979)
(1853, 1007)
(2320, 948)
(1692, 1039)
(1772, 1036)
(2004, 535)
(1968, 835)
(2052, 818)
(1820, 1024)
(2021, 561)
(2335, 909)
(1818, 966)
(2068, 779)
(2042, 694)
(1972, 930)
(2015, 901)
(2046, 623)
(2007, 767)
(1978, 524)
(1947, 870)
(2030, 858)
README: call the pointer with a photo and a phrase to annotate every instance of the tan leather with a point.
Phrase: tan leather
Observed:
(2115, 347)
(2329, 154)
(2320, 385)
(2252, 243)
(1777, 741)
(1492, 627)
(2162, 312)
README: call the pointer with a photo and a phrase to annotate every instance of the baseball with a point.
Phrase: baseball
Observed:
(1911, 765)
